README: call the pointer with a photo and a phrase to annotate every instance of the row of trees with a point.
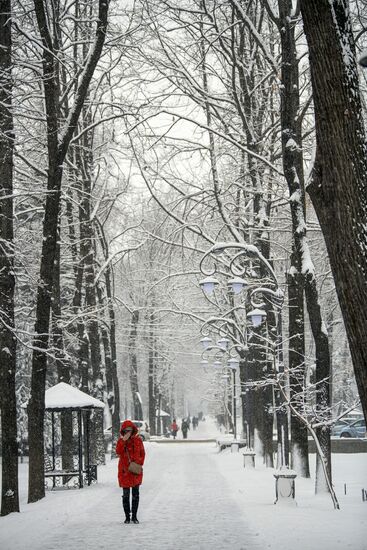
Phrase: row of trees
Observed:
(126, 152)
(46, 104)
(226, 73)
(238, 64)
(62, 208)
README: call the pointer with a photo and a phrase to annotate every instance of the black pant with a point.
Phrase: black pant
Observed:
(134, 500)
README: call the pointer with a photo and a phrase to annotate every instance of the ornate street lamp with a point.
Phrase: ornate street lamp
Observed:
(257, 316)
(237, 284)
(233, 364)
(208, 284)
(205, 342)
(240, 258)
(223, 343)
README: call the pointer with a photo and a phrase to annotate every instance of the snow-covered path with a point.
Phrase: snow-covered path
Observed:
(194, 498)
(185, 503)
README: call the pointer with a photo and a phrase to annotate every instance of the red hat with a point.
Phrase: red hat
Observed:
(128, 424)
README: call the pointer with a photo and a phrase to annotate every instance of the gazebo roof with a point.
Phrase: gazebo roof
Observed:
(64, 396)
(161, 413)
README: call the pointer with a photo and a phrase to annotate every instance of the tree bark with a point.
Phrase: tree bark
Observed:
(293, 171)
(296, 362)
(108, 276)
(138, 413)
(301, 276)
(87, 254)
(62, 366)
(152, 402)
(338, 181)
(9, 488)
(78, 266)
(323, 387)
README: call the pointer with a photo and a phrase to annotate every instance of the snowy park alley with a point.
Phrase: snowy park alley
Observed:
(193, 497)
(183, 235)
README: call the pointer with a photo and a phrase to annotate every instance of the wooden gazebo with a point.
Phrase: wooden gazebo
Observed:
(63, 397)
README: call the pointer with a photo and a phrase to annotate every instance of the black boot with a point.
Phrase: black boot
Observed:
(135, 505)
(126, 507)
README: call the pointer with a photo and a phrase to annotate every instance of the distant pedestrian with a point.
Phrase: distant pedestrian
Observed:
(195, 422)
(131, 451)
(174, 428)
(184, 428)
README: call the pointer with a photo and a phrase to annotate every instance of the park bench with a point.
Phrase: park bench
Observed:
(227, 443)
(90, 473)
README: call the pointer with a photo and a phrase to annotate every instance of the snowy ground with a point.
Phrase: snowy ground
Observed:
(194, 498)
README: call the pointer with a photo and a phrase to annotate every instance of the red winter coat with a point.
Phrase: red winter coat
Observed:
(134, 446)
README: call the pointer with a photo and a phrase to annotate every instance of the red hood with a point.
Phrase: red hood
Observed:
(129, 424)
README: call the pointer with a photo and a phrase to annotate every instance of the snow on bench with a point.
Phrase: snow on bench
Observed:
(227, 443)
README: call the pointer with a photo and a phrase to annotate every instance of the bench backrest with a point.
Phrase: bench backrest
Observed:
(48, 463)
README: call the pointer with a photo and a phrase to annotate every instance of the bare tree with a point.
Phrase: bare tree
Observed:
(57, 146)
(337, 184)
(9, 491)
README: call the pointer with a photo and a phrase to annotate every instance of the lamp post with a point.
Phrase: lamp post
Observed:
(363, 59)
(233, 364)
(263, 294)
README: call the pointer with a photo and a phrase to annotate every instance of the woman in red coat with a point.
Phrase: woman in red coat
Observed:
(130, 448)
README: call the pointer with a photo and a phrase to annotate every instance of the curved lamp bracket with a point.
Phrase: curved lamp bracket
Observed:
(277, 296)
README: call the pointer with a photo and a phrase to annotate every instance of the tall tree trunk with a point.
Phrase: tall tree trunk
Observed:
(88, 255)
(78, 266)
(274, 365)
(108, 276)
(36, 406)
(323, 388)
(115, 380)
(152, 404)
(246, 377)
(302, 272)
(62, 366)
(134, 384)
(293, 171)
(105, 337)
(338, 181)
(9, 489)
(280, 402)
(85, 162)
(296, 362)
(262, 396)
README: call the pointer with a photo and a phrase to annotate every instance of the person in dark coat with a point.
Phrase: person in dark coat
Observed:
(130, 448)
(185, 427)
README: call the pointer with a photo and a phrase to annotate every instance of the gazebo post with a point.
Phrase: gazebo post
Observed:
(53, 446)
(88, 447)
(80, 449)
